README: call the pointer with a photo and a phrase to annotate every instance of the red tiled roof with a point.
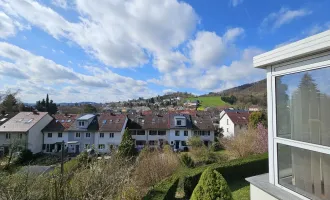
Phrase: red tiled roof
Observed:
(239, 117)
(111, 122)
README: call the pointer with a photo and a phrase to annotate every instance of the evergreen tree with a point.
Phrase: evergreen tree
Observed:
(10, 103)
(127, 146)
(47, 102)
(211, 186)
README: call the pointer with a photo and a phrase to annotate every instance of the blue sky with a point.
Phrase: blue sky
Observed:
(114, 50)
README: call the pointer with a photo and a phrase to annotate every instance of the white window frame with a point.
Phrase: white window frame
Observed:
(101, 135)
(8, 135)
(75, 135)
(58, 135)
(111, 135)
(87, 135)
(49, 135)
(296, 66)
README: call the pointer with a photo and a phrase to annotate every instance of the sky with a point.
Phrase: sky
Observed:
(115, 50)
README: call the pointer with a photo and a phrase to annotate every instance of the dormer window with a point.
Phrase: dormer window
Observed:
(178, 122)
(81, 123)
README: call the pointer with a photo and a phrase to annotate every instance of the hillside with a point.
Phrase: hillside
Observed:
(209, 101)
(258, 88)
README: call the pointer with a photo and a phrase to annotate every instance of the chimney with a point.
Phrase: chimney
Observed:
(35, 112)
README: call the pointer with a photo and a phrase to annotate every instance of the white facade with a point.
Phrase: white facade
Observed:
(227, 125)
(35, 136)
(55, 137)
(299, 147)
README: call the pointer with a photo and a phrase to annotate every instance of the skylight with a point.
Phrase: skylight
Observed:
(3, 119)
(104, 121)
(69, 120)
(62, 120)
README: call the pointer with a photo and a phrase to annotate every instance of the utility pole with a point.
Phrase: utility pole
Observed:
(62, 169)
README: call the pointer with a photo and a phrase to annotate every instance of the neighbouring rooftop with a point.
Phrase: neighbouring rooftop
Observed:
(22, 122)
(86, 117)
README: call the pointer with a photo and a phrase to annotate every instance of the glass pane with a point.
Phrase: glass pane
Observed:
(303, 106)
(305, 172)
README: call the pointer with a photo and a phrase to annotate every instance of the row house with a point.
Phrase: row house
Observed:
(84, 131)
(174, 129)
(24, 129)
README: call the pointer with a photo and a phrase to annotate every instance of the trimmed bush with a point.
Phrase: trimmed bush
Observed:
(165, 190)
(211, 186)
(187, 161)
(232, 170)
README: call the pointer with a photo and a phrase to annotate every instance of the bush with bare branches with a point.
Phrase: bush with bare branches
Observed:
(247, 142)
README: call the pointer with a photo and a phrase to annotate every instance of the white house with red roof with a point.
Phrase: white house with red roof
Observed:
(232, 121)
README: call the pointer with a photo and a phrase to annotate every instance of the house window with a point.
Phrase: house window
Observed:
(185, 133)
(183, 143)
(7, 135)
(20, 136)
(177, 133)
(87, 146)
(50, 135)
(81, 123)
(152, 132)
(178, 122)
(111, 135)
(132, 132)
(101, 146)
(59, 135)
(195, 133)
(88, 135)
(227, 130)
(140, 142)
(77, 135)
(302, 137)
(141, 132)
(161, 132)
(227, 121)
(101, 135)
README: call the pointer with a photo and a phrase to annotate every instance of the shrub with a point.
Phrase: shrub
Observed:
(154, 166)
(195, 142)
(186, 160)
(24, 156)
(216, 146)
(82, 157)
(233, 170)
(247, 142)
(211, 186)
(203, 155)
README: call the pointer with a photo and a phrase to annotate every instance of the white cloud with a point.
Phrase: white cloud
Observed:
(317, 28)
(284, 16)
(235, 3)
(209, 50)
(118, 33)
(31, 71)
(8, 26)
(214, 78)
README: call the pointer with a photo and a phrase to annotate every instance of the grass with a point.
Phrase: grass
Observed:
(240, 190)
(209, 101)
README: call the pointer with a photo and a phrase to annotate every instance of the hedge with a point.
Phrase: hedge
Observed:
(165, 190)
(233, 170)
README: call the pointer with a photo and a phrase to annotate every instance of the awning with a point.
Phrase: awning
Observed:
(73, 142)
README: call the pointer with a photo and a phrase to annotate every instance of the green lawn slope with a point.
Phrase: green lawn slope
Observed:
(211, 101)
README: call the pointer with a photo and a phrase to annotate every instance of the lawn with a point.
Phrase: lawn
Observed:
(240, 190)
(209, 101)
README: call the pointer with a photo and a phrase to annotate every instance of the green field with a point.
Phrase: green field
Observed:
(209, 101)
